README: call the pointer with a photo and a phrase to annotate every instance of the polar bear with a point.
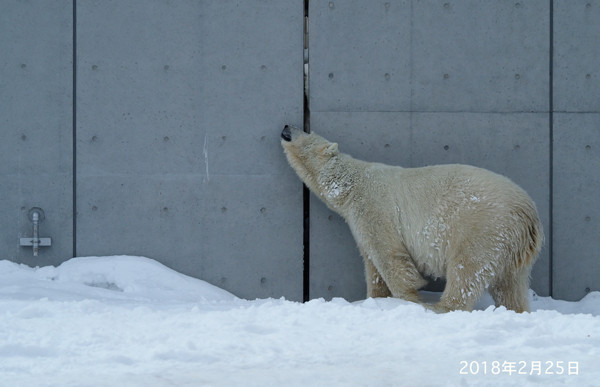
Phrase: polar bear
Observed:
(475, 228)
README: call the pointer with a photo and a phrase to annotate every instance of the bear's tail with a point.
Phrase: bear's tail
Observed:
(533, 237)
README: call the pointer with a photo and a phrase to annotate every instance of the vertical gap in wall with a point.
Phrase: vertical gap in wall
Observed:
(305, 191)
(74, 127)
(411, 86)
(551, 148)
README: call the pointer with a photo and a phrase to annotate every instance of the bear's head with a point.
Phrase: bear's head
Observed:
(309, 154)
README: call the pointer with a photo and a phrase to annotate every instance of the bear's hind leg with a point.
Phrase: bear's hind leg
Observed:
(465, 283)
(511, 290)
(376, 286)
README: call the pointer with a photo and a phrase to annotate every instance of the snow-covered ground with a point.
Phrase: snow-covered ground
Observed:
(130, 321)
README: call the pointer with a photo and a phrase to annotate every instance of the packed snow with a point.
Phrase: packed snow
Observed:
(130, 321)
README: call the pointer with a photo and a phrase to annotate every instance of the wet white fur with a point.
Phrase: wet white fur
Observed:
(471, 226)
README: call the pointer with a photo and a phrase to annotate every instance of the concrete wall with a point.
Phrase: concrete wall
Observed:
(152, 127)
(414, 83)
(180, 108)
(434, 82)
(576, 148)
(36, 125)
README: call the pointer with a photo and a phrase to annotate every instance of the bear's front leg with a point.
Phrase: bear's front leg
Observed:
(376, 286)
(401, 276)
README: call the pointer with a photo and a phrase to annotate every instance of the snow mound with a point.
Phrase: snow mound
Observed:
(113, 277)
(130, 321)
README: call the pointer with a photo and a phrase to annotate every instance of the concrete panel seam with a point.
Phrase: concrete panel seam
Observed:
(74, 118)
(305, 191)
(549, 233)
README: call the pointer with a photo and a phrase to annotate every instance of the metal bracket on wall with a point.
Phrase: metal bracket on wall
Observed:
(36, 216)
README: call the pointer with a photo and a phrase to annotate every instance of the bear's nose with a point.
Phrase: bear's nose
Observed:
(286, 134)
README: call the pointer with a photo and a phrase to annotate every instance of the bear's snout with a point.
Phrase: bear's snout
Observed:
(286, 134)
